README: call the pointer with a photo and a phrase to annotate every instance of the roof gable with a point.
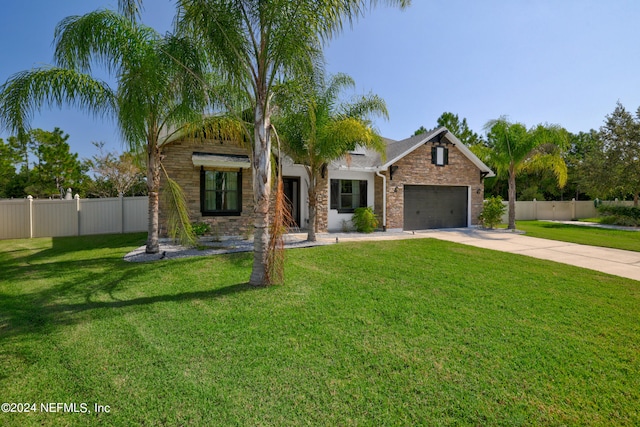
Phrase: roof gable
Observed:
(396, 150)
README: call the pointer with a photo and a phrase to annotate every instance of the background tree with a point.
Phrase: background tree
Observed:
(253, 45)
(583, 160)
(612, 168)
(159, 88)
(115, 173)
(7, 168)
(420, 131)
(56, 168)
(512, 148)
(459, 128)
(317, 129)
(21, 146)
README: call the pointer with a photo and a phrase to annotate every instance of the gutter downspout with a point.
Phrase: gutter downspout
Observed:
(384, 200)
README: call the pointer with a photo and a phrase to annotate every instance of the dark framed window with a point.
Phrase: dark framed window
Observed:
(220, 192)
(348, 194)
(439, 155)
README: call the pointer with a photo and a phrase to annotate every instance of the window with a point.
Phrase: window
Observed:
(347, 195)
(439, 155)
(220, 192)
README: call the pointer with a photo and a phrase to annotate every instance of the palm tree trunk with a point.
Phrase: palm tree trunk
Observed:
(261, 191)
(153, 186)
(512, 198)
(313, 206)
(311, 232)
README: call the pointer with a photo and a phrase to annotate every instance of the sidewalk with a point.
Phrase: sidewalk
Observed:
(611, 261)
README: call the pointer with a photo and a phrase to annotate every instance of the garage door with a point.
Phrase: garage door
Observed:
(434, 206)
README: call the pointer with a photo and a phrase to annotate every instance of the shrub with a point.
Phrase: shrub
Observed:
(620, 215)
(200, 228)
(492, 211)
(364, 220)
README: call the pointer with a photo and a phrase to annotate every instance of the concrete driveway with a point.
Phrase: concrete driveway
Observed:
(611, 261)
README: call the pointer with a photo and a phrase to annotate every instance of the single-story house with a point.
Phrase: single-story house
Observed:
(431, 180)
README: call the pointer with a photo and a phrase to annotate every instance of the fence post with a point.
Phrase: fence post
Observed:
(30, 201)
(573, 209)
(535, 209)
(122, 218)
(77, 198)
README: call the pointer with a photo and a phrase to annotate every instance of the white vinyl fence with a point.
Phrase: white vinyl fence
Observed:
(24, 218)
(557, 211)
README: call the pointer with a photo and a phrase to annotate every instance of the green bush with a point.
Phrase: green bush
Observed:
(492, 211)
(619, 215)
(364, 220)
(200, 228)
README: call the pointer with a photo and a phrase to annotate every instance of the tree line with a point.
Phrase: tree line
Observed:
(40, 163)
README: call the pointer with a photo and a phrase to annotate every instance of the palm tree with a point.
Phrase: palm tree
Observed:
(512, 148)
(159, 87)
(256, 44)
(316, 129)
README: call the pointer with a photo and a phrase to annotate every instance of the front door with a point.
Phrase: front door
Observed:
(292, 195)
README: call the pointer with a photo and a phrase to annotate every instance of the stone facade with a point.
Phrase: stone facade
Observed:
(179, 166)
(322, 212)
(416, 169)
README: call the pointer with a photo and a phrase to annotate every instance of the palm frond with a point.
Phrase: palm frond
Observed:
(338, 13)
(366, 107)
(338, 83)
(343, 135)
(131, 9)
(547, 157)
(178, 223)
(104, 37)
(27, 91)
(280, 224)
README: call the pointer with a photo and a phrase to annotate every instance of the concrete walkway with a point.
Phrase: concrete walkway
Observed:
(611, 261)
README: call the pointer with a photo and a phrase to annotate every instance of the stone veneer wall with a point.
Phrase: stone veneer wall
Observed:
(416, 169)
(177, 162)
(322, 206)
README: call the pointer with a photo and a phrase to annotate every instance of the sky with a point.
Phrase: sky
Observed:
(564, 62)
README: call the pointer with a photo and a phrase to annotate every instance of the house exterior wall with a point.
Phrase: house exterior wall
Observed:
(291, 170)
(416, 169)
(338, 221)
(180, 168)
(413, 169)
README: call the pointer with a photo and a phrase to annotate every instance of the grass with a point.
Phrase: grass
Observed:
(413, 332)
(608, 238)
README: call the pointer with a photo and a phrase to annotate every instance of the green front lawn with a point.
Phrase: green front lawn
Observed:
(608, 238)
(413, 332)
